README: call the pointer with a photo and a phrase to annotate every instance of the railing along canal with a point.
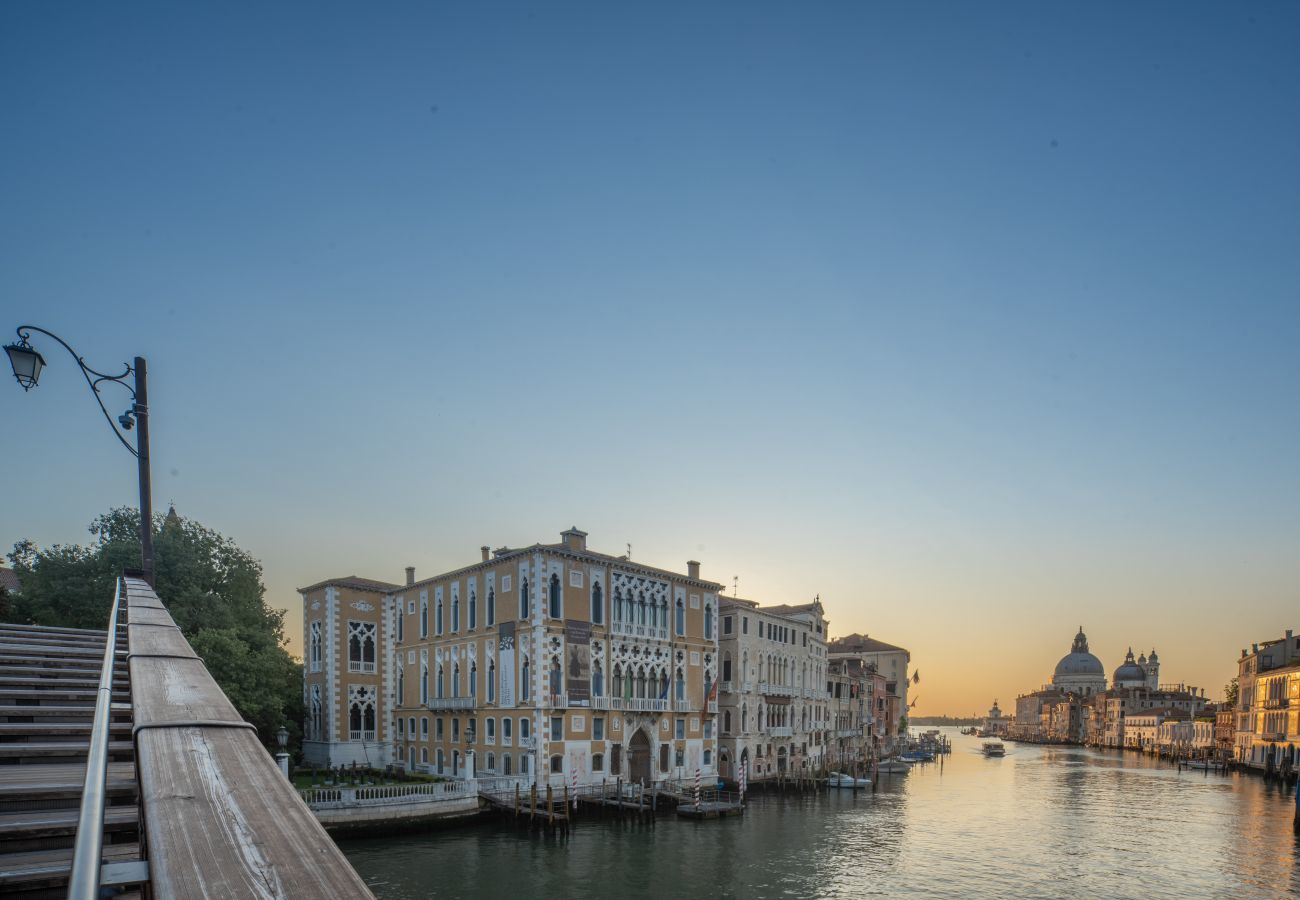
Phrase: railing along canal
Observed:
(88, 851)
(388, 794)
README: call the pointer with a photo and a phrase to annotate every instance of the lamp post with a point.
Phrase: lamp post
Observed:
(27, 363)
(282, 737)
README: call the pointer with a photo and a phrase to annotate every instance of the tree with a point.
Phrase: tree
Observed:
(211, 587)
(1230, 693)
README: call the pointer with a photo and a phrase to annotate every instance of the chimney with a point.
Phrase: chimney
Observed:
(693, 569)
(485, 550)
(410, 575)
(574, 540)
(1288, 632)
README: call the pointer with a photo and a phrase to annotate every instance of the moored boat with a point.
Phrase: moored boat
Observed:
(894, 766)
(841, 780)
(994, 748)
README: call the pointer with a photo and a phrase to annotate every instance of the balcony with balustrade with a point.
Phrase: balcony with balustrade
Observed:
(781, 731)
(775, 690)
(447, 704)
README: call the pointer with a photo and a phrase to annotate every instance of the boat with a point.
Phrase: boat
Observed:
(840, 780)
(1198, 764)
(894, 767)
(919, 756)
(994, 748)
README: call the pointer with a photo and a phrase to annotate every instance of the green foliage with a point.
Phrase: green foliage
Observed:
(1230, 693)
(211, 587)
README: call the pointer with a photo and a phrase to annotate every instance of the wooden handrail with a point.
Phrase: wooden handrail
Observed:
(219, 818)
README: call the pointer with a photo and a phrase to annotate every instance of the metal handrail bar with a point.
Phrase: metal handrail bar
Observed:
(88, 851)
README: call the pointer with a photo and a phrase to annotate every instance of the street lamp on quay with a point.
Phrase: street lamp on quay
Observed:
(27, 364)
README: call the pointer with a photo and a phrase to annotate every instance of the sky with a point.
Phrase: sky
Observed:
(979, 321)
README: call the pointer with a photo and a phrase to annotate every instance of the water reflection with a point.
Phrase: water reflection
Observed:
(1041, 822)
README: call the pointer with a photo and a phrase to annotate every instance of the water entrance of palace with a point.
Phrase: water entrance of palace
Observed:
(1042, 822)
(638, 758)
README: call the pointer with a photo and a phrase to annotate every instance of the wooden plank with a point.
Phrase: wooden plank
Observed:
(21, 868)
(144, 615)
(221, 819)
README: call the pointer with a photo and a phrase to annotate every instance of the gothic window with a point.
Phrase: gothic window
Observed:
(455, 612)
(708, 622)
(424, 684)
(401, 622)
(640, 609)
(492, 682)
(473, 609)
(618, 680)
(442, 686)
(681, 616)
(492, 609)
(317, 644)
(663, 757)
(681, 685)
(523, 598)
(315, 712)
(640, 683)
(524, 728)
(726, 666)
(555, 611)
(744, 718)
(361, 713)
(401, 686)
(424, 615)
(455, 680)
(597, 605)
(507, 726)
(597, 680)
(525, 681)
(726, 722)
(473, 679)
(437, 615)
(663, 686)
(361, 646)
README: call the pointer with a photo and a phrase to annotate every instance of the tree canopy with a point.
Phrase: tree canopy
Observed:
(212, 588)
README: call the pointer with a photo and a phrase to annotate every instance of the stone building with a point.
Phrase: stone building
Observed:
(347, 672)
(1268, 704)
(773, 705)
(550, 661)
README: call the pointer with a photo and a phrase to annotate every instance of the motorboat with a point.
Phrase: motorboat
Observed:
(894, 767)
(840, 780)
(994, 748)
(919, 756)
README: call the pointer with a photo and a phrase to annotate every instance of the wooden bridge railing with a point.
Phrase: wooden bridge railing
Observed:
(219, 818)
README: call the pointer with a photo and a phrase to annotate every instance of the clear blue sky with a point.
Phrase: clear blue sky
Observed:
(980, 320)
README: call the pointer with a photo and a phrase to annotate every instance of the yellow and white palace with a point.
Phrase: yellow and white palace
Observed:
(550, 661)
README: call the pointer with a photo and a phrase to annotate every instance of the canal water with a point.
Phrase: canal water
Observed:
(1039, 822)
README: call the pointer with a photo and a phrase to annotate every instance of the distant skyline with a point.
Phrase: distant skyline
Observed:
(979, 322)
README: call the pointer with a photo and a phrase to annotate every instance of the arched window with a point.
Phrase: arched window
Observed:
(708, 622)
(726, 721)
(681, 616)
(505, 763)
(401, 686)
(525, 681)
(744, 718)
(681, 685)
(597, 605)
(556, 612)
(663, 686)
(492, 682)
(597, 680)
(455, 612)
(317, 643)
(424, 684)
(640, 609)
(473, 609)
(492, 606)
(437, 615)
(455, 680)
(523, 598)
(525, 728)
(491, 762)
(424, 615)
(441, 684)
(640, 683)
(507, 730)
(473, 679)
(618, 680)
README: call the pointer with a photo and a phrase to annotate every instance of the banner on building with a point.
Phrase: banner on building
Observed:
(577, 667)
(506, 663)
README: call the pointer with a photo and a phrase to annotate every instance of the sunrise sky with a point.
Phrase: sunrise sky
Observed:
(980, 321)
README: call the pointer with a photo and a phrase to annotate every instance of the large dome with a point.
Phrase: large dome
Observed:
(1080, 664)
(1079, 661)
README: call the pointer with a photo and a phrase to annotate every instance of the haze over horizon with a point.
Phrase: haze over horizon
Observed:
(981, 326)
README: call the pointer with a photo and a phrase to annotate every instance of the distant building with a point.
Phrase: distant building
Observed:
(890, 661)
(995, 722)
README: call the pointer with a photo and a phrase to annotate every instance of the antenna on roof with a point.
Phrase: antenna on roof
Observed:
(629, 551)
(735, 586)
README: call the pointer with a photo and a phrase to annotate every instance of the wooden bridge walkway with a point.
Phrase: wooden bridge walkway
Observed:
(194, 804)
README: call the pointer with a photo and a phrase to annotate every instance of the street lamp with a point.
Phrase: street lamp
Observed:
(27, 363)
(282, 737)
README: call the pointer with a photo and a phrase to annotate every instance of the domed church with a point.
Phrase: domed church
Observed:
(1079, 671)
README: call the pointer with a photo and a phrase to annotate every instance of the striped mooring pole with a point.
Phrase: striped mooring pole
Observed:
(697, 788)
(744, 766)
(575, 787)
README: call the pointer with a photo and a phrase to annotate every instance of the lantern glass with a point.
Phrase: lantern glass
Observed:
(26, 362)
(282, 736)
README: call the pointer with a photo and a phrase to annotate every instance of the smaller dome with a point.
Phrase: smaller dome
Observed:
(1129, 670)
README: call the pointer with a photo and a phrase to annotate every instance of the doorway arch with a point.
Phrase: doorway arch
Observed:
(638, 758)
